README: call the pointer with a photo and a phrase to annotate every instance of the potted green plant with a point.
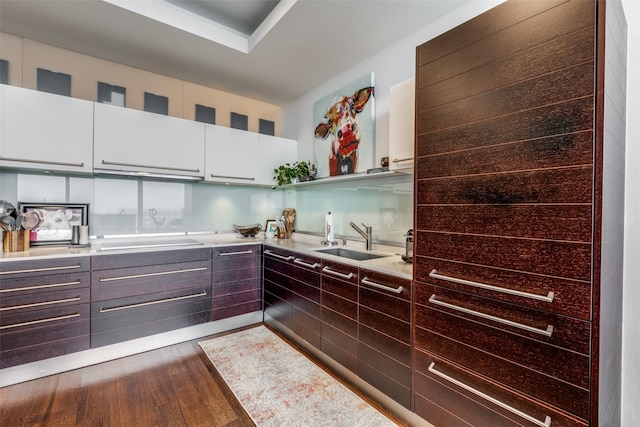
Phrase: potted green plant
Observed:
(288, 173)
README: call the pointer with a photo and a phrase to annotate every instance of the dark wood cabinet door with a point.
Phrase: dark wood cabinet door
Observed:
(237, 280)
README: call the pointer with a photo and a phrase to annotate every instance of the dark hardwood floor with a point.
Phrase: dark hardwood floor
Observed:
(171, 386)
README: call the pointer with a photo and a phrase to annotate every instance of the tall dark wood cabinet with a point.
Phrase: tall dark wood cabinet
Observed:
(519, 191)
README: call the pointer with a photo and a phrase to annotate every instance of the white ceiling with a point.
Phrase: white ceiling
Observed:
(300, 45)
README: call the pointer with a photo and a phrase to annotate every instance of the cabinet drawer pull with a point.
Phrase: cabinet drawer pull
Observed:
(235, 253)
(53, 285)
(142, 304)
(38, 304)
(37, 270)
(134, 165)
(366, 281)
(337, 273)
(548, 298)
(35, 322)
(301, 262)
(286, 258)
(546, 332)
(44, 162)
(401, 160)
(233, 177)
(160, 273)
(545, 423)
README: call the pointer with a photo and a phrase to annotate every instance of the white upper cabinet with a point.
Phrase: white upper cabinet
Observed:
(231, 155)
(273, 152)
(402, 126)
(137, 142)
(43, 131)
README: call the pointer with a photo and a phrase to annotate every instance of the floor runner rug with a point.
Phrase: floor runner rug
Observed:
(279, 386)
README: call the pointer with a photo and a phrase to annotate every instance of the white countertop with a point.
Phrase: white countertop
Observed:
(392, 263)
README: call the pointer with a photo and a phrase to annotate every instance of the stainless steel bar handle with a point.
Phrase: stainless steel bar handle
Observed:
(53, 285)
(44, 162)
(545, 423)
(160, 273)
(35, 322)
(233, 177)
(548, 298)
(142, 304)
(286, 258)
(134, 165)
(235, 253)
(402, 160)
(306, 264)
(38, 270)
(337, 273)
(546, 332)
(366, 281)
(38, 304)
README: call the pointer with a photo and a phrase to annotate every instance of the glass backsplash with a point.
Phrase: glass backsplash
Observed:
(130, 206)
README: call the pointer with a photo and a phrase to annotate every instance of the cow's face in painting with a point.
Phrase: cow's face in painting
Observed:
(341, 124)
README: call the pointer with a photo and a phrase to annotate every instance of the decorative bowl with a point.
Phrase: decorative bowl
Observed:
(248, 230)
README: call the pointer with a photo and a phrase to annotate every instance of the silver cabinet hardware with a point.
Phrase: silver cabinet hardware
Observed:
(35, 322)
(286, 258)
(52, 285)
(548, 298)
(299, 261)
(402, 160)
(366, 281)
(142, 304)
(38, 270)
(337, 273)
(235, 253)
(38, 304)
(134, 165)
(44, 162)
(545, 423)
(233, 177)
(546, 332)
(160, 273)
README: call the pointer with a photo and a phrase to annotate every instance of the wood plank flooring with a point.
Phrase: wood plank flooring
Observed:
(171, 386)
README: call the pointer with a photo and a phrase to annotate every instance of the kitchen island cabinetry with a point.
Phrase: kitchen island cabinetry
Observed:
(384, 334)
(236, 280)
(138, 142)
(136, 295)
(512, 272)
(44, 309)
(43, 131)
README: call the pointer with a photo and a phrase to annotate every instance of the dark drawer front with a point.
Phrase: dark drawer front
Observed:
(393, 286)
(27, 336)
(134, 317)
(570, 260)
(568, 297)
(339, 271)
(235, 257)
(387, 373)
(37, 301)
(45, 267)
(42, 284)
(126, 282)
(473, 400)
(527, 361)
(114, 261)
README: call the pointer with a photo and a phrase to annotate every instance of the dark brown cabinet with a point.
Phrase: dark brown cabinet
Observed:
(509, 214)
(141, 294)
(384, 334)
(44, 309)
(237, 281)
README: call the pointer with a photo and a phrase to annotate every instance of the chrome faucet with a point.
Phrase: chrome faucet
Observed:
(367, 234)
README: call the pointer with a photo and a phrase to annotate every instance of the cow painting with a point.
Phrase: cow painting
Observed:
(341, 126)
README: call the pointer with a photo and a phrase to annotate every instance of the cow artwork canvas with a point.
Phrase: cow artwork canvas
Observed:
(345, 129)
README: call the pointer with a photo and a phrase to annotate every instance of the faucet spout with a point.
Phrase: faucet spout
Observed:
(367, 233)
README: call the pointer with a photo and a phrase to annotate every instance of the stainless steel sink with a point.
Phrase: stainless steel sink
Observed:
(347, 253)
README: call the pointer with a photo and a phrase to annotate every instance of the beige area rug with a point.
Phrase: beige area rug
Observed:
(279, 386)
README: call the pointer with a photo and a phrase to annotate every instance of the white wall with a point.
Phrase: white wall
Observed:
(631, 289)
